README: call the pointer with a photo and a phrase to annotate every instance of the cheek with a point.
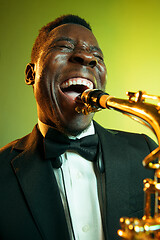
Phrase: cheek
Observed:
(104, 80)
(56, 59)
(103, 75)
(40, 93)
(42, 85)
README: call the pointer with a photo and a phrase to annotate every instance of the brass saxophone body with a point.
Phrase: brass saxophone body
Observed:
(147, 228)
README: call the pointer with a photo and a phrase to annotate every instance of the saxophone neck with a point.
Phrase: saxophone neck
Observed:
(135, 107)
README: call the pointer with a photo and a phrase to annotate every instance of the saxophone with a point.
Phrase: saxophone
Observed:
(147, 228)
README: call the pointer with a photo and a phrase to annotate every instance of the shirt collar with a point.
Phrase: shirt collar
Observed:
(88, 131)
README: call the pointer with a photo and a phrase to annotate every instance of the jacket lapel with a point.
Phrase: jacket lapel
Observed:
(39, 186)
(116, 172)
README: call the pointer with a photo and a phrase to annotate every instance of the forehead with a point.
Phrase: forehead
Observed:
(74, 31)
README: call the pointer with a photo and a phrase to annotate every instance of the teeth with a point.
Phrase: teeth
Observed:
(77, 81)
(74, 82)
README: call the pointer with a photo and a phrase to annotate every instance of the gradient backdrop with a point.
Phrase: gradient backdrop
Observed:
(128, 31)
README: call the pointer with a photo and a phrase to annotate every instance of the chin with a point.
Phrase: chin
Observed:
(76, 127)
(72, 131)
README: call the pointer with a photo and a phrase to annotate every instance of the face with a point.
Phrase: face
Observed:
(70, 62)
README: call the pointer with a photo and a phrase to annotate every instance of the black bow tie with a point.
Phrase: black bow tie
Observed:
(56, 143)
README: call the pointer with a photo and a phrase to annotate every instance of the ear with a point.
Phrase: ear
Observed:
(30, 74)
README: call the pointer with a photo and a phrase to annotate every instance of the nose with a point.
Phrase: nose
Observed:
(84, 58)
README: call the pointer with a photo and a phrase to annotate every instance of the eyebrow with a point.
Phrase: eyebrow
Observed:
(63, 39)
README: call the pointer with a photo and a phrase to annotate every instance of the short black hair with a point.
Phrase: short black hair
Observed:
(45, 30)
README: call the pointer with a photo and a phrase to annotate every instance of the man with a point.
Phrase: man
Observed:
(49, 191)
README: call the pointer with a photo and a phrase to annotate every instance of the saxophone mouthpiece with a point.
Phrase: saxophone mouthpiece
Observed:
(91, 100)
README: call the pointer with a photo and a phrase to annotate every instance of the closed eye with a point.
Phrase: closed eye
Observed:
(65, 47)
(99, 57)
(64, 44)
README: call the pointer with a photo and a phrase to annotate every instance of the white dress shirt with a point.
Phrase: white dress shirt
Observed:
(77, 184)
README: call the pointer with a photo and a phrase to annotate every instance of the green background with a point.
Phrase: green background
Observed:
(128, 32)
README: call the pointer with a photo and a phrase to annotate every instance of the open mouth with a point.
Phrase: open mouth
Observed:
(75, 86)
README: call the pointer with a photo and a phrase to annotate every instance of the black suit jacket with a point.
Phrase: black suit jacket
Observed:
(30, 203)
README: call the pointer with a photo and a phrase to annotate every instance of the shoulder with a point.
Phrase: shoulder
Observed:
(21, 144)
(8, 150)
(137, 140)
